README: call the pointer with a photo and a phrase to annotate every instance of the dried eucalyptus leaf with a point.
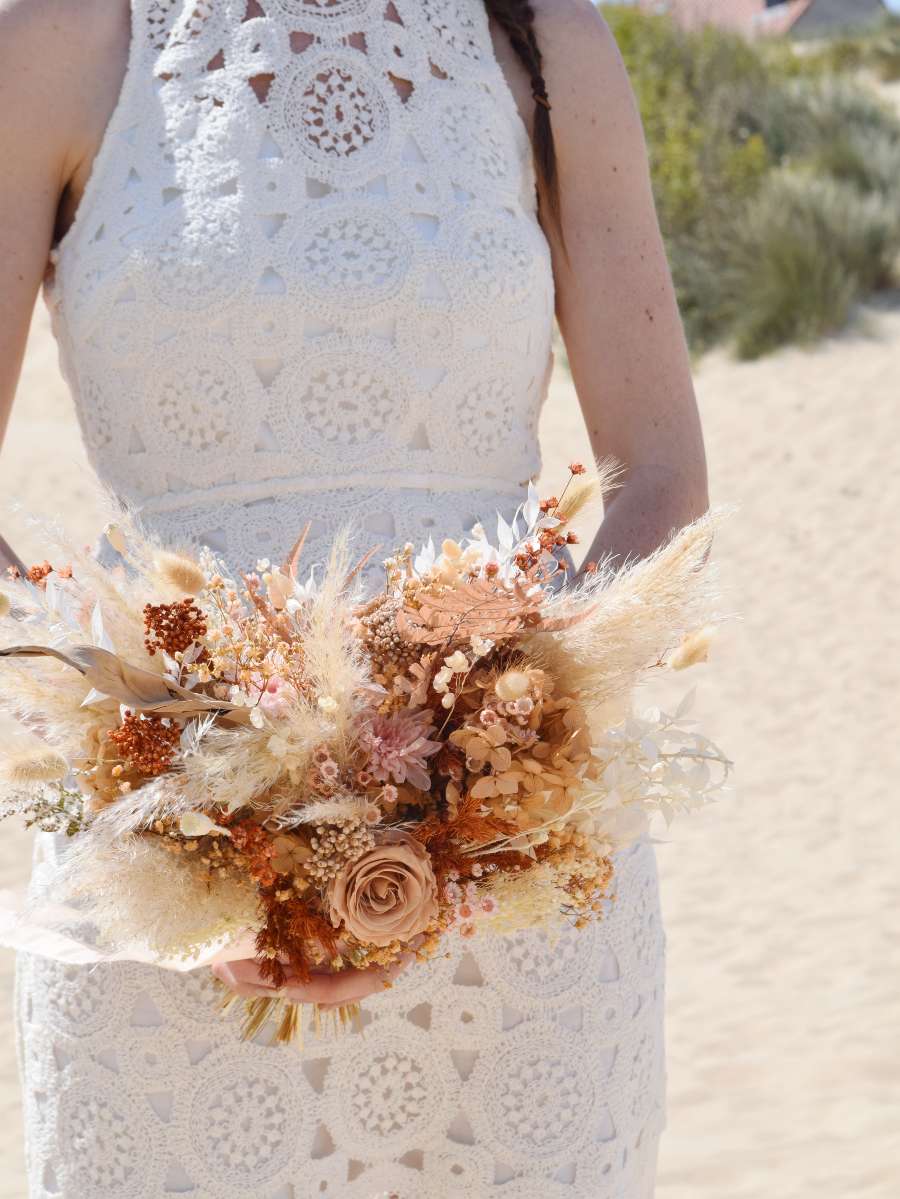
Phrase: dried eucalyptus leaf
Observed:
(134, 686)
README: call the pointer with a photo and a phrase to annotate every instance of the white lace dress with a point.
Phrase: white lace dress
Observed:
(307, 281)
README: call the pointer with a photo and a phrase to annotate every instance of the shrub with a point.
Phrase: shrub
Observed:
(733, 130)
(884, 58)
(877, 50)
(806, 249)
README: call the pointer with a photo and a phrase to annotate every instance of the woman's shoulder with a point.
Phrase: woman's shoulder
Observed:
(587, 83)
(578, 25)
(55, 25)
(56, 53)
(61, 68)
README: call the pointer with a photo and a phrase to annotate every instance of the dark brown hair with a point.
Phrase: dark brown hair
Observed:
(516, 18)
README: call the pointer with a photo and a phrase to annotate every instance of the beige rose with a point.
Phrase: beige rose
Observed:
(388, 894)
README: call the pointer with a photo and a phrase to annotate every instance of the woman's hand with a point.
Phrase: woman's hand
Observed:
(328, 989)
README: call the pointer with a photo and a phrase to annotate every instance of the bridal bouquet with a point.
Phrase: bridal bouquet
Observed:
(331, 777)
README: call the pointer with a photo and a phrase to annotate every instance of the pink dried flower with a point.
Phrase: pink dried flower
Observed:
(274, 698)
(467, 930)
(489, 905)
(398, 746)
(329, 770)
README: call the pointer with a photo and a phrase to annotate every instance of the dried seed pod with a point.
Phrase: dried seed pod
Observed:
(180, 572)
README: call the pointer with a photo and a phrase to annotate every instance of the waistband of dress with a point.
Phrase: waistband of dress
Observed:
(276, 488)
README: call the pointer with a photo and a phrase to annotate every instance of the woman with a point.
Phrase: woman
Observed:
(304, 258)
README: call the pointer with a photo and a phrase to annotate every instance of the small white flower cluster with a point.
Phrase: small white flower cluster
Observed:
(476, 551)
(653, 763)
(456, 663)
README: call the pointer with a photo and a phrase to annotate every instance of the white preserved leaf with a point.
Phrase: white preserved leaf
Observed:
(687, 703)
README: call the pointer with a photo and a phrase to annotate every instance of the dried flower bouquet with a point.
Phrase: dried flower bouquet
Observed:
(339, 776)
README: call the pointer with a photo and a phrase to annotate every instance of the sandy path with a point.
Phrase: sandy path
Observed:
(782, 909)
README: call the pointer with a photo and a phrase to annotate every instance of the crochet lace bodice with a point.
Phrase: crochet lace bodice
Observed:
(307, 279)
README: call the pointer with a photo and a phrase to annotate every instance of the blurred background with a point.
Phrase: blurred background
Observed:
(774, 138)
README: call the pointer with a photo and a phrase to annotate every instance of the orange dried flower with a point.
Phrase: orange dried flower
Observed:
(38, 574)
(146, 743)
(173, 627)
(257, 847)
(575, 468)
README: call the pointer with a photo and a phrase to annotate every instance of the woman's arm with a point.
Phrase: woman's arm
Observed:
(616, 305)
(56, 82)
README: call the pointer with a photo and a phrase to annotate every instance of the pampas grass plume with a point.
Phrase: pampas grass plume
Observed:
(34, 765)
(332, 811)
(180, 572)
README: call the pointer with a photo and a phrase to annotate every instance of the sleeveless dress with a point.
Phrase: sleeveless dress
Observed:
(307, 281)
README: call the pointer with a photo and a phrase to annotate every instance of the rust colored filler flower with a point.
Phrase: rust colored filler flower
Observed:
(146, 743)
(173, 627)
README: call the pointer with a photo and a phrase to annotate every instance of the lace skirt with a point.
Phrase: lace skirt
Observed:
(526, 1069)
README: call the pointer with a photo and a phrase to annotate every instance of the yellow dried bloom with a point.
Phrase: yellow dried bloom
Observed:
(116, 538)
(693, 649)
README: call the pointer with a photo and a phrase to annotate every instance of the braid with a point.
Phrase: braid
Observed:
(516, 18)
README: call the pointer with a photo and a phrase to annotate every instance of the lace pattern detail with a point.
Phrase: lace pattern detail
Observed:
(307, 282)
(510, 1069)
(309, 244)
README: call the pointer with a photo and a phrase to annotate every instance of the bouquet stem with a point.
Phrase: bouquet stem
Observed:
(287, 1016)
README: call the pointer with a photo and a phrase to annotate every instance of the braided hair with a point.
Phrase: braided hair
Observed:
(516, 18)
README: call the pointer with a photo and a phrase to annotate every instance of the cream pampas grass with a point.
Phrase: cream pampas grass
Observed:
(46, 699)
(632, 618)
(332, 811)
(236, 765)
(141, 808)
(118, 596)
(179, 572)
(172, 904)
(32, 764)
(585, 494)
(332, 653)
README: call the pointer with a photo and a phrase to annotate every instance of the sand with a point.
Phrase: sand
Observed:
(782, 906)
